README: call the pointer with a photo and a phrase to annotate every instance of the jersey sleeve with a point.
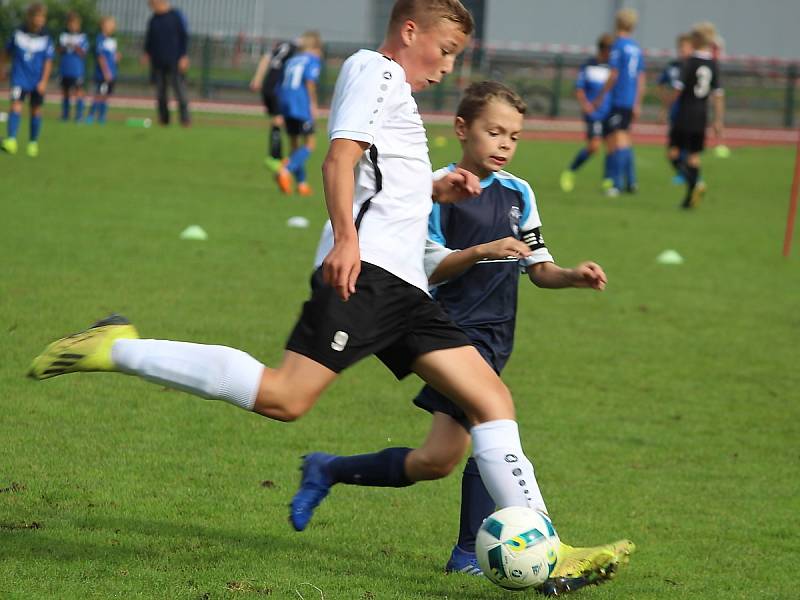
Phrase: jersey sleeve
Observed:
(313, 70)
(435, 253)
(51, 49)
(10, 44)
(580, 80)
(530, 230)
(362, 99)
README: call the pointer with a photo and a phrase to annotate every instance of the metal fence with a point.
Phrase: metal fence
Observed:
(758, 93)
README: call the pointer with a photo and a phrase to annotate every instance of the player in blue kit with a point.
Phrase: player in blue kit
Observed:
(298, 105)
(625, 85)
(73, 45)
(592, 76)
(31, 51)
(107, 59)
(499, 232)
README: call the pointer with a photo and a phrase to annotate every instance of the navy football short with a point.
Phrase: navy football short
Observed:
(19, 95)
(67, 83)
(619, 119)
(691, 141)
(387, 317)
(105, 88)
(596, 128)
(298, 127)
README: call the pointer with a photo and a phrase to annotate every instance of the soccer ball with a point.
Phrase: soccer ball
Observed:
(516, 548)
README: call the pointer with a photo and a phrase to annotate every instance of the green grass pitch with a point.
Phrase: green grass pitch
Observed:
(665, 409)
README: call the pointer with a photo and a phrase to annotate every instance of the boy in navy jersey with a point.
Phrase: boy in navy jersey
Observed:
(592, 76)
(31, 51)
(626, 85)
(107, 59)
(369, 293)
(297, 98)
(72, 46)
(499, 232)
(699, 81)
(267, 80)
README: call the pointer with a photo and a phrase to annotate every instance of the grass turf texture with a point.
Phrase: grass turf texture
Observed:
(664, 410)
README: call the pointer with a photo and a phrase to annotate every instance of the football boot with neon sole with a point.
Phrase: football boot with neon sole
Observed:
(9, 145)
(284, 179)
(697, 194)
(462, 561)
(578, 567)
(88, 350)
(315, 483)
(273, 164)
(32, 149)
(567, 181)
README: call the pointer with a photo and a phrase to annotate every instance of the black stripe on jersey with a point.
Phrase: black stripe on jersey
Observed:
(373, 157)
(534, 239)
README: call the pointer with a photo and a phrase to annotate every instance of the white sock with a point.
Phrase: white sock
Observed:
(505, 470)
(216, 372)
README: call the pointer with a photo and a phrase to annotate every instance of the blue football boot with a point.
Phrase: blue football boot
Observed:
(314, 486)
(462, 561)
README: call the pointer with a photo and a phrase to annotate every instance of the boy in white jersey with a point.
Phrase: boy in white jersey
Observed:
(370, 294)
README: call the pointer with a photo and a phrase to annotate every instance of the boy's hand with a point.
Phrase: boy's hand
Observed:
(341, 267)
(504, 248)
(456, 186)
(183, 64)
(589, 274)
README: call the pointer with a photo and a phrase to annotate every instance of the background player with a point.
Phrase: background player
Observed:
(592, 76)
(626, 84)
(479, 291)
(298, 104)
(378, 201)
(31, 51)
(72, 46)
(107, 59)
(667, 84)
(267, 80)
(699, 81)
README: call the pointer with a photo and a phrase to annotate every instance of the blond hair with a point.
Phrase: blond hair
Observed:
(704, 33)
(427, 13)
(626, 20)
(478, 96)
(310, 40)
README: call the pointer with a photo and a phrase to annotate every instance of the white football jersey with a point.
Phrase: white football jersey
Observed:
(372, 103)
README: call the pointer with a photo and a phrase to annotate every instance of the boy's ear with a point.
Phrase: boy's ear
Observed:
(408, 32)
(461, 129)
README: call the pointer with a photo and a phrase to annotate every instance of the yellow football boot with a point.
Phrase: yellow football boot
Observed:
(579, 567)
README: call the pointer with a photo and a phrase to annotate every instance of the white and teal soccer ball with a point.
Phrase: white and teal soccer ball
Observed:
(517, 548)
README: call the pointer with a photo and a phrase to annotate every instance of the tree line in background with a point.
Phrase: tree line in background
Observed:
(12, 15)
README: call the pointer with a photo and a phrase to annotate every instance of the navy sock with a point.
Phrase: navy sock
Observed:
(36, 127)
(102, 111)
(580, 158)
(300, 173)
(79, 109)
(607, 166)
(630, 167)
(382, 469)
(65, 108)
(617, 167)
(476, 505)
(298, 160)
(14, 119)
(275, 143)
(677, 165)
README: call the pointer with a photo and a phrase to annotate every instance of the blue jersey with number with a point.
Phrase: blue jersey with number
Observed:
(628, 60)
(670, 78)
(74, 47)
(483, 299)
(299, 70)
(107, 48)
(29, 52)
(592, 76)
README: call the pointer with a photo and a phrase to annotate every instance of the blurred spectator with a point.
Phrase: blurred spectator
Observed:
(165, 47)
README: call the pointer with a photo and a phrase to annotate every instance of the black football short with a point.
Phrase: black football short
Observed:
(692, 142)
(104, 88)
(68, 83)
(596, 128)
(271, 102)
(387, 317)
(18, 95)
(298, 127)
(619, 119)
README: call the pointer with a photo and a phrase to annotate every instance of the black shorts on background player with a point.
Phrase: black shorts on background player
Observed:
(67, 83)
(619, 119)
(691, 141)
(298, 127)
(596, 128)
(19, 95)
(271, 102)
(105, 88)
(387, 317)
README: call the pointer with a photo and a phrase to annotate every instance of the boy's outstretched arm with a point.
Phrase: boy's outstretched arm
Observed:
(585, 275)
(41, 87)
(458, 261)
(342, 266)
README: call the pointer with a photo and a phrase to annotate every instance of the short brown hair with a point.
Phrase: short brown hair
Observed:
(72, 16)
(626, 20)
(478, 95)
(604, 42)
(429, 12)
(37, 8)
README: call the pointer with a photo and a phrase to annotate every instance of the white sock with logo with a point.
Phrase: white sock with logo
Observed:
(505, 470)
(216, 372)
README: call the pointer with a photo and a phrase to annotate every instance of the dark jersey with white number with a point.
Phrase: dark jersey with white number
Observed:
(281, 52)
(699, 79)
